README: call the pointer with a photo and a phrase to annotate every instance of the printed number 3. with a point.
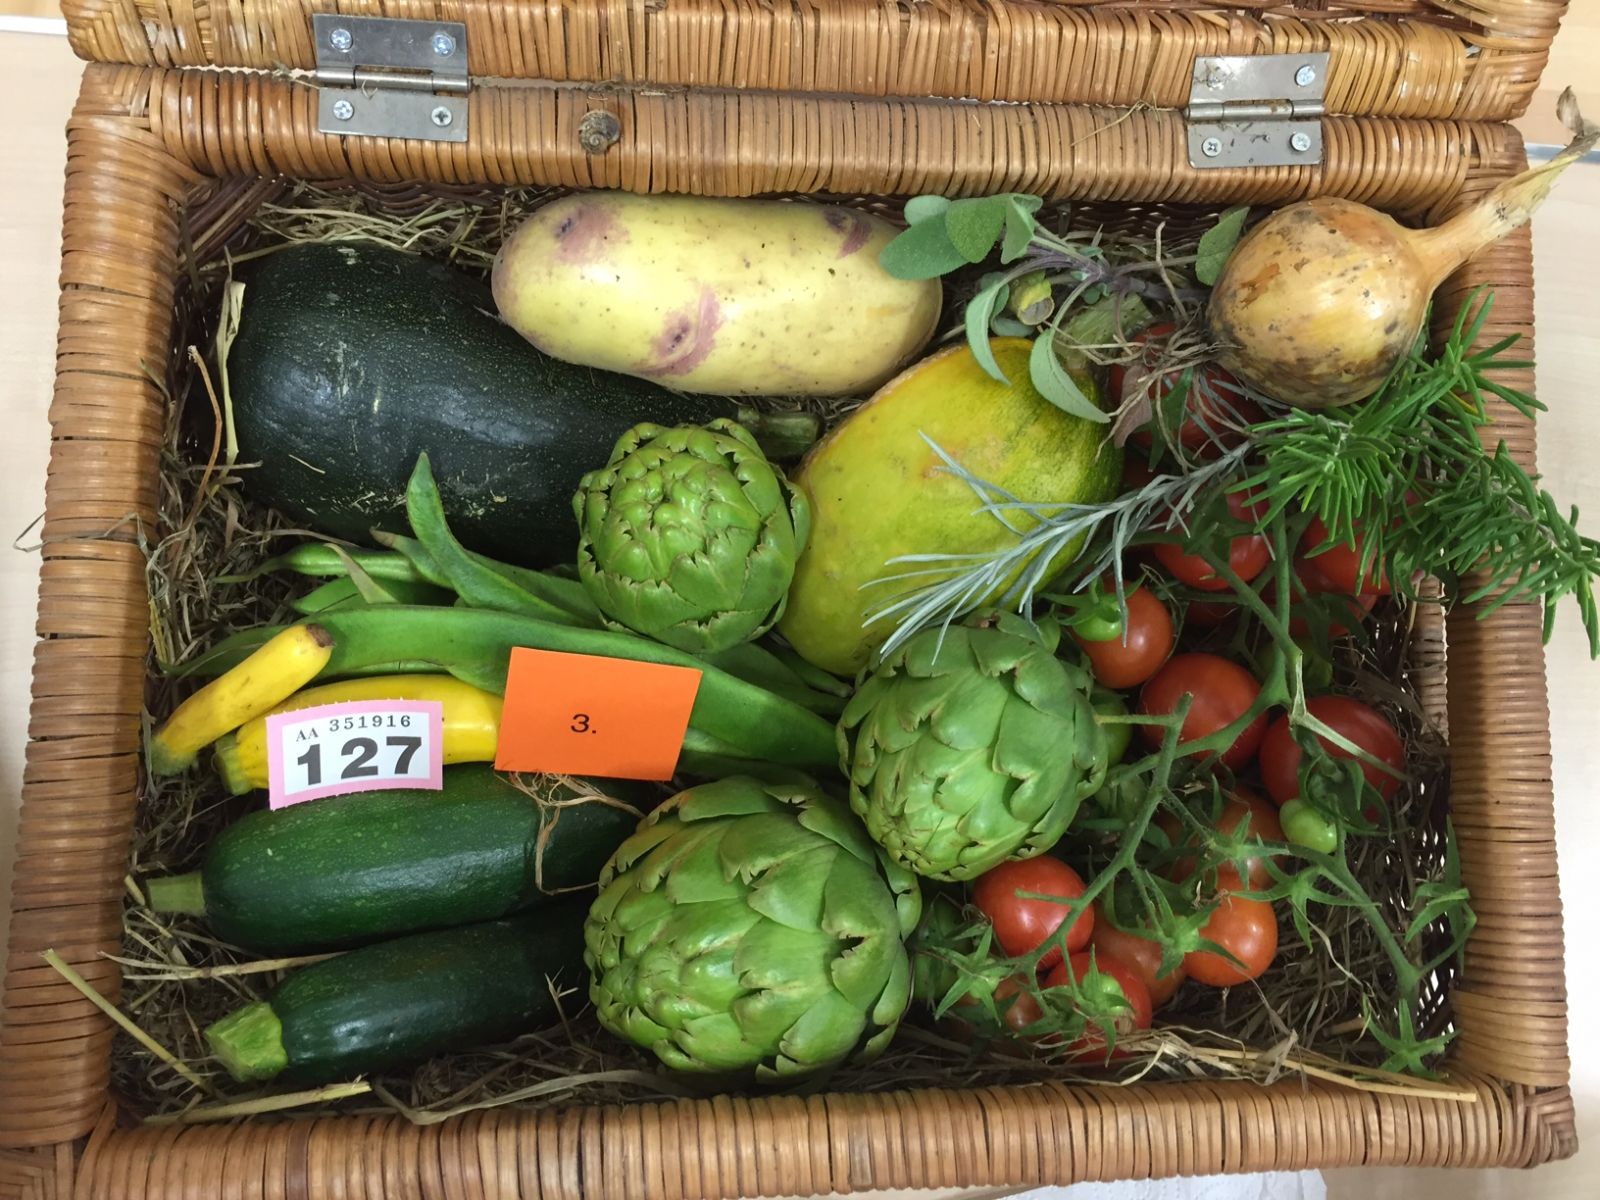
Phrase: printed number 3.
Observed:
(580, 723)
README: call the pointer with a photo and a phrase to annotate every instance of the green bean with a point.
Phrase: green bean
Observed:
(475, 583)
(322, 560)
(568, 594)
(226, 654)
(476, 644)
(416, 554)
(337, 593)
(812, 676)
(760, 666)
(325, 597)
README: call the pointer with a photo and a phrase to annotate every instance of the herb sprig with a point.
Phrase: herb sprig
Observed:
(1406, 474)
(1021, 299)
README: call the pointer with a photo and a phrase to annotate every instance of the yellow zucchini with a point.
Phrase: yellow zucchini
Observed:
(471, 722)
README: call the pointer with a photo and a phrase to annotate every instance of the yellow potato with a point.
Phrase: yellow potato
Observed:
(736, 297)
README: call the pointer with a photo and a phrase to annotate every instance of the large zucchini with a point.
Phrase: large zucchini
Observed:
(351, 360)
(399, 1002)
(349, 869)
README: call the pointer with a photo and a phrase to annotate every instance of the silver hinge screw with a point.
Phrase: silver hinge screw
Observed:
(1306, 75)
(441, 116)
(443, 45)
(343, 109)
(1299, 142)
(339, 39)
(1211, 147)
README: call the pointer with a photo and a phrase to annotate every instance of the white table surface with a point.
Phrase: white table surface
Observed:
(38, 80)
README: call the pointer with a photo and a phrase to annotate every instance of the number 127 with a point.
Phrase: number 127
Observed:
(359, 753)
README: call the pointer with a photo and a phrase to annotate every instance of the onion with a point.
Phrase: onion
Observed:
(1317, 304)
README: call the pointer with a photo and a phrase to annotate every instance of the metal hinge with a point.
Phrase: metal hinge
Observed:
(388, 77)
(1257, 110)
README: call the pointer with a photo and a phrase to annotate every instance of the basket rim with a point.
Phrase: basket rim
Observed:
(131, 144)
(1398, 58)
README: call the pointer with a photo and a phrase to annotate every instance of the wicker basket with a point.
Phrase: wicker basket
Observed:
(738, 97)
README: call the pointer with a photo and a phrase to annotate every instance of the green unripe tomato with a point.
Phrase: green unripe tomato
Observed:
(1305, 826)
(1109, 704)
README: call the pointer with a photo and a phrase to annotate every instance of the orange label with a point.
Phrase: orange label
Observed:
(580, 714)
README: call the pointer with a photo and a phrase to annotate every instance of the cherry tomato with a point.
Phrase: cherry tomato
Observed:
(1223, 692)
(1120, 663)
(1248, 555)
(1141, 952)
(1117, 982)
(1107, 703)
(1340, 564)
(1016, 1004)
(1305, 826)
(1248, 930)
(1021, 925)
(1215, 396)
(1245, 816)
(1360, 723)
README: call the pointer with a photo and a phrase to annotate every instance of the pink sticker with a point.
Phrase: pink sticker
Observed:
(356, 746)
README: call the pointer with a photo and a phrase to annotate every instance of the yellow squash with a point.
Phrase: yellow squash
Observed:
(275, 671)
(471, 722)
(878, 491)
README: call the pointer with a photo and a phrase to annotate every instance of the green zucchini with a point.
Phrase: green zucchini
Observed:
(349, 869)
(351, 360)
(401, 1001)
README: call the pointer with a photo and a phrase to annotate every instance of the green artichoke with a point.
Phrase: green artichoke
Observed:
(690, 536)
(751, 930)
(969, 746)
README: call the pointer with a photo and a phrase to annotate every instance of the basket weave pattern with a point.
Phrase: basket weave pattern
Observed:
(144, 144)
(1468, 59)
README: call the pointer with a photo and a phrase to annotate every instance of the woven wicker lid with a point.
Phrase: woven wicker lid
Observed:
(1465, 59)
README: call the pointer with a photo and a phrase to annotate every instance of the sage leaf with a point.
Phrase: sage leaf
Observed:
(1056, 384)
(921, 252)
(923, 208)
(980, 311)
(1217, 243)
(974, 225)
(1020, 226)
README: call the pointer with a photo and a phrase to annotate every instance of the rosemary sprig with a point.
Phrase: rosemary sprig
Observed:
(1012, 576)
(1405, 473)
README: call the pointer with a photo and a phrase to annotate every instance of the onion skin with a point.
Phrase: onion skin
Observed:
(1319, 302)
(1316, 305)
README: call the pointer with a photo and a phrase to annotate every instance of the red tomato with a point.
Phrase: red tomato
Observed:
(1022, 926)
(1213, 392)
(1016, 1005)
(1340, 565)
(1117, 981)
(1245, 815)
(1149, 642)
(1141, 952)
(1247, 929)
(1360, 723)
(1223, 692)
(1247, 555)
